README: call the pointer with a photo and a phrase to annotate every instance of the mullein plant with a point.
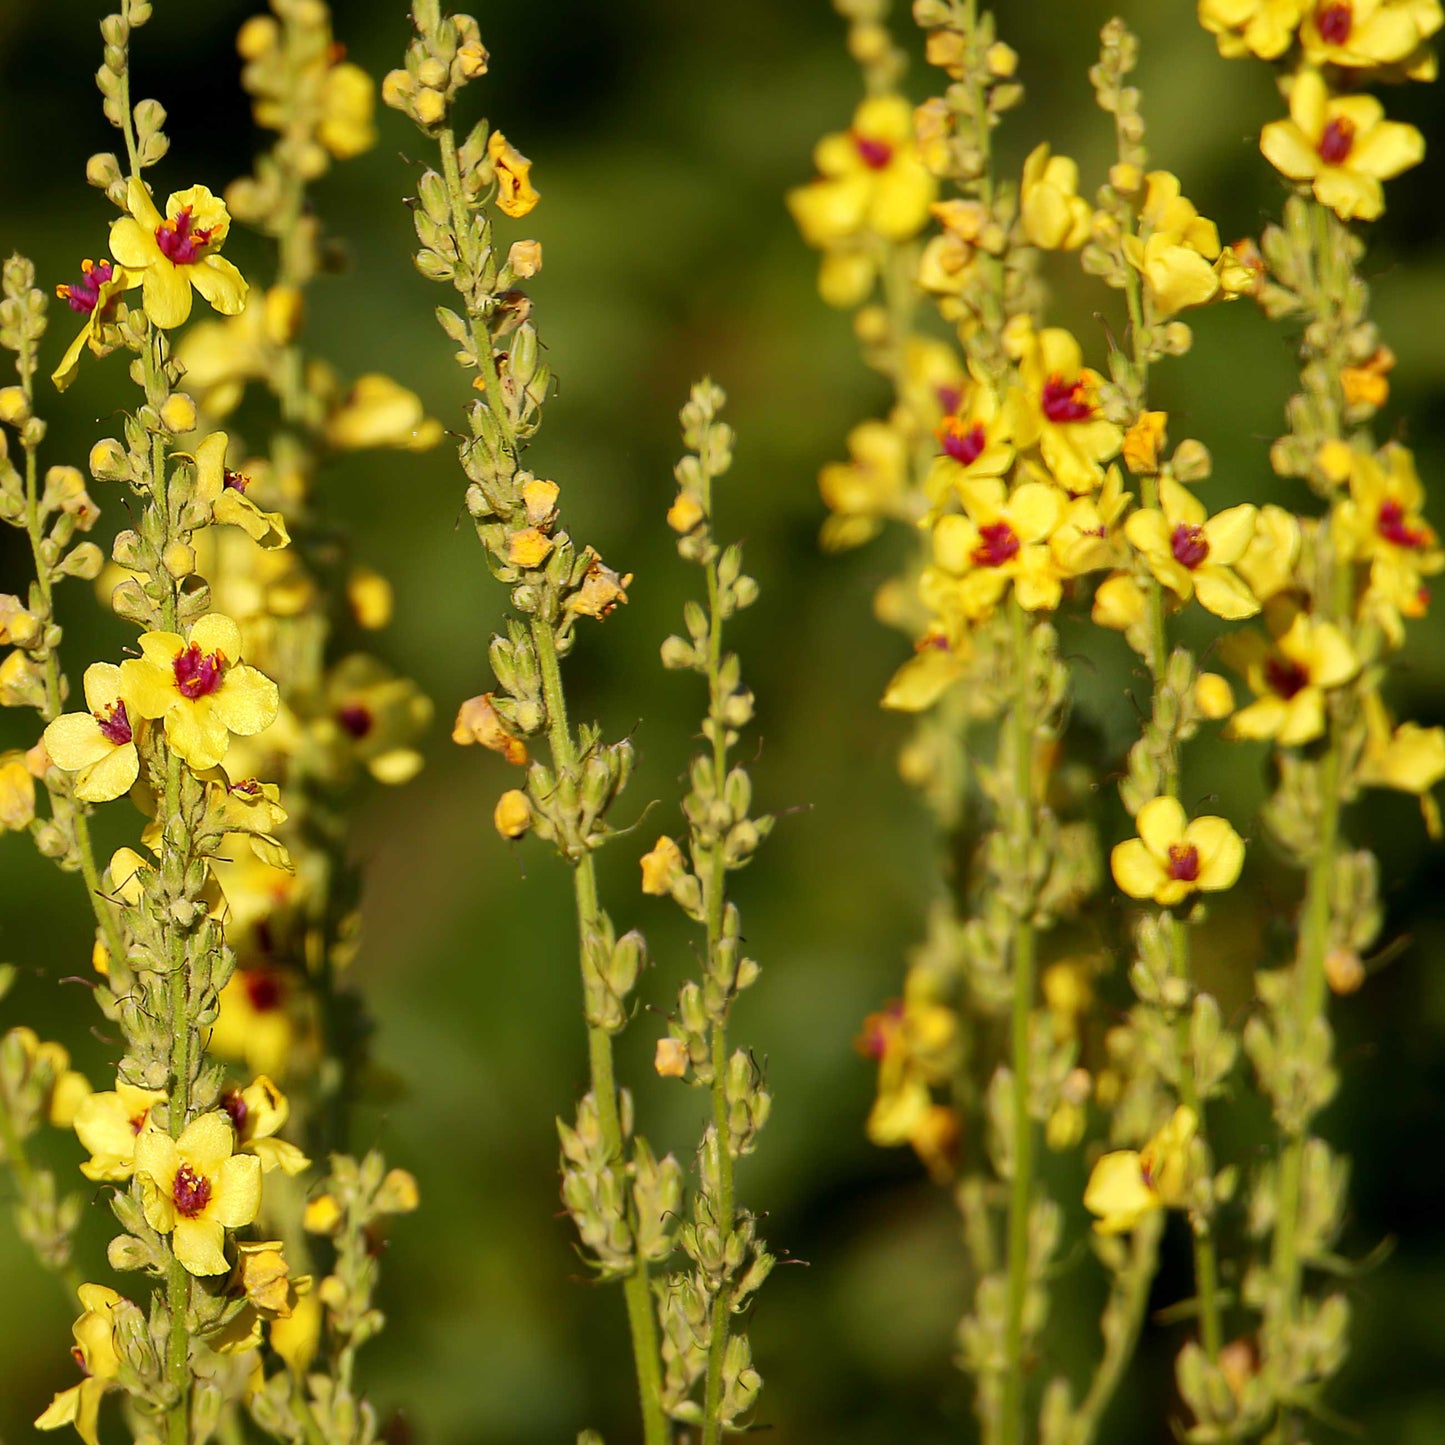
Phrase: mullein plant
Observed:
(1010, 456)
(630, 1208)
(211, 1199)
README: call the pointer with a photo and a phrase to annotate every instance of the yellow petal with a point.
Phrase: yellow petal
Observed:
(199, 1244)
(1135, 869)
(1161, 823)
(1221, 852)
(1116, 1191)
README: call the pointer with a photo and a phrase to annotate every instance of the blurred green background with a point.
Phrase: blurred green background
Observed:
(663, 137)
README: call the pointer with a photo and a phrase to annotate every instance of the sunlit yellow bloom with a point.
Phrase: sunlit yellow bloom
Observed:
(17, 793)
(1058, 411)
(220, 357)
(97, 746)
(258, 1113)
(109, 1124)
(171, 254)
(974, 442)
(1264, 28)
(1268, 563)
(348, 103)
(1051, 211)
(513, 814)
(1342, 145)
(1176, 248)
(380, 412)
(516, 195)
(1407, 758)
(870, 179)
(1193, 554)
(200, 687)
(1213, 696)
(1289, 679)
(225, 490)
(1383, 515)
(93, 296)
(376, 717)
(1173, 858)
(96, 1354)
(262, 1020)
(869, 486)
(661, 867)
(1369, 33)
(197, 1187)
(1127, 1184)
(999, 538)
(1086, 539)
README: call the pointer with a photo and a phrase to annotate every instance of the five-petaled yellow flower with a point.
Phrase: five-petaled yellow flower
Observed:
(1128, 1184)
(197, 1187)
(108, 1124)
(97, 746)
(1289, 679)
(200, 687)
(1192, 553)
(170, 254)
(1342, 145)
(1173, 858)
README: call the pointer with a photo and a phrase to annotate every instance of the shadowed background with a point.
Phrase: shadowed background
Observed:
(663, 138)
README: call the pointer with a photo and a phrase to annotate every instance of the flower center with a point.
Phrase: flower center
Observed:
(180, 240)
(875, 154)
(235, 1106)
(1337, 141)
(115, 725)
(1065, 401)
(251, 787)
(997, 544)
(963, 443)
(138, 1121)
(191, 1191)
(1285, 678)
(263, 989)
(356, 719)
(1391, 525)
(1189, 545)
(1183, 862)
(83, 295)
(1335, 21)
(198, 674)
(236, 481)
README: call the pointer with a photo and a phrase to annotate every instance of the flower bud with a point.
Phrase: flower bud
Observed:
(512, 816)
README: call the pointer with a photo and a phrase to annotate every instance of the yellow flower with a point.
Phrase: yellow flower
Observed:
(297, 1337)
(261, 1020)
(97, 746)
(1342, 145)
(1173, 858)
(516, 195)
(1407, 758)
(601, 592)
(257, 1113)
(974, 438)
(999, 538)
(199, 686)
(479, 722)
(1289, 679)
(1144, 441)
(220, 357)
(348, 101)
(197, 1187)
(661, 867)
(17, 793)
(1213, 696)
(380, 412)
(1268, 563)
(1175, 249)
(109, 1124)
(376, 717)
(1382, 519)
(225, 491)
(871, 485)
(170, 255)
(1127, 1184)
(928, 674)
(1058, 410)
(96, 1354)
(1053, 214)
(1193, 554)
(1368, 384)
(1264, 28)
(669, 1059)
(1086, 538)
(1368, 33)
(513, 814)
(870, 179)
(93, 296)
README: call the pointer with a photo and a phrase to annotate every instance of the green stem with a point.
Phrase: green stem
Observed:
(716, 885)
(16, 1156)
(641, 1322)
(1021, 1190)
